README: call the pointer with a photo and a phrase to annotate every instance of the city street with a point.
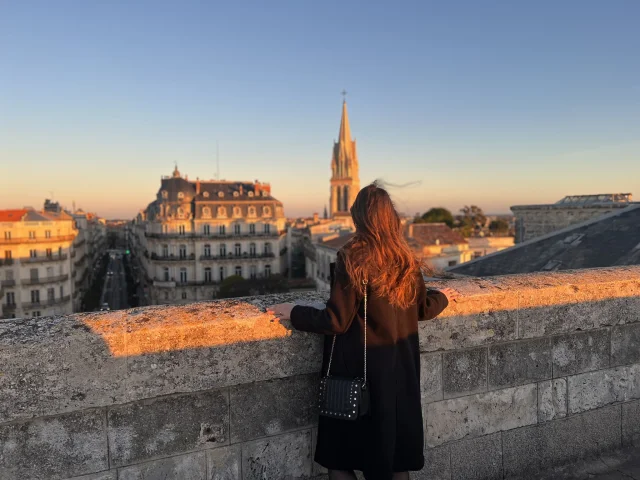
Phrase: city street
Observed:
(114, 290)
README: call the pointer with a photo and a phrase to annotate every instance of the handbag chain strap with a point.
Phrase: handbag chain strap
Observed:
(333, 344)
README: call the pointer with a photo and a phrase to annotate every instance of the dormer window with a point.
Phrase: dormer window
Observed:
(250, 194)
(206, 212)
(252, 211)
(205, 194)
(266, 211)
(164, 194)
(237, 212)
(264, 193)
(221, 194)
(236, 194)
(180, 195)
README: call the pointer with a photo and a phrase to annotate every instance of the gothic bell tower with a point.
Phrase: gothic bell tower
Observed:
(345, 178)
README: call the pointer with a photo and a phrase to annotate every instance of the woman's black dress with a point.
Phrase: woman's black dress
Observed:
(391, 438)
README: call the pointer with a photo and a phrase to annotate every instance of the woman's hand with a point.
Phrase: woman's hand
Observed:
(281, 310)
(450, 293)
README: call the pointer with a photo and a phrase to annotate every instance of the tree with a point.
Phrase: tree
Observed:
(436, 215)
(472, 220)
(499, 226)
(234, 286)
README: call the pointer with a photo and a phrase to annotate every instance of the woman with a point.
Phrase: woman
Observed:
(388, 442)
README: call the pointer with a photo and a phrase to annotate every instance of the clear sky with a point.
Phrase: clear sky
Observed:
(494, 103)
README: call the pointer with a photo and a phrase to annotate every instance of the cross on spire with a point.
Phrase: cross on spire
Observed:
(344, 95)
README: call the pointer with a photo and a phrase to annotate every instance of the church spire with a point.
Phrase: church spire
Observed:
(344, 137)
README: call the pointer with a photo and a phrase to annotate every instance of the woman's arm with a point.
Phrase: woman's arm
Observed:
(430, 303)
(340, 311)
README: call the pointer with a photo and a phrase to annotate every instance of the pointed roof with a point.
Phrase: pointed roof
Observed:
(344, 136)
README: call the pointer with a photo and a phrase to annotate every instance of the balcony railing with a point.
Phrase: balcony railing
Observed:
(230, 256)
(52, 258)
(46, 303)
(15, 241)
(172, 258)
(6, 262)
(43, 280)
(215, 236)
(8, 308)
(80, 261)
(8, 283)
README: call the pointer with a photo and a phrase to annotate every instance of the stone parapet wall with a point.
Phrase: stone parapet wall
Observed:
(522, 373)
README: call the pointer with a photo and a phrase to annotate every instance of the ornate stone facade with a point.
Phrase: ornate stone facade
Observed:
(197, 233)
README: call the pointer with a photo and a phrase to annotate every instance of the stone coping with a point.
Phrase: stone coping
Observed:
(59, 364)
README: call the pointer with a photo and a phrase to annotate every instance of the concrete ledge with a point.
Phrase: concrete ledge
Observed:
(194, 391)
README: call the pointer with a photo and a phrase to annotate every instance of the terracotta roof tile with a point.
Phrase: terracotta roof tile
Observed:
(435, 234)
(12, 215)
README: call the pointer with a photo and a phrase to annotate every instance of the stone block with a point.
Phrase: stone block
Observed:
(282, 456)
(464, 372)
(108, 475)
(205, 346)
(52, 448)
(477, 458)
(631, 424)
(480, 414)
(552, 399)
(192, 466)
(477, 322)
(431, 377)
(274, 406)
(529, 450)
(167, 426)
(571, 307)
(32, 380)
(225, 463)
(437, 465)
(596, 389)
(94, 376)
(519, 362)
(625, 344)
(581, 352)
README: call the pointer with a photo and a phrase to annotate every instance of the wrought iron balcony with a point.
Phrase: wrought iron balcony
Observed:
(44, 280)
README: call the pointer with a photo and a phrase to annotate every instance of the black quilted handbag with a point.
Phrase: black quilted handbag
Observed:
(341, 397)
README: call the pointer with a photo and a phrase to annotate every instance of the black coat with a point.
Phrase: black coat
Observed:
(391, 439)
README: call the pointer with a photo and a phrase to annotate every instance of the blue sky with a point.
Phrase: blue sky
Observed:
(494, 103)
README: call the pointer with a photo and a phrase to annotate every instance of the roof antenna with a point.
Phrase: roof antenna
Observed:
(217, 161)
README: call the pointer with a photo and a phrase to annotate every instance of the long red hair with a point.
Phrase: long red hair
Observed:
(378, 252)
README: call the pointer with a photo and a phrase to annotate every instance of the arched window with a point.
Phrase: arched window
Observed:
(165, 194)
(222, 212)
(180, 195)
(180, 212)
(206, 212)
(237, 212)
(252, 211)
(266, 211)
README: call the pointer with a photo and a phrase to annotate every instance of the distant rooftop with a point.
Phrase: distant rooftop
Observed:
(602, 198)
(606, 241)
(605, 200)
